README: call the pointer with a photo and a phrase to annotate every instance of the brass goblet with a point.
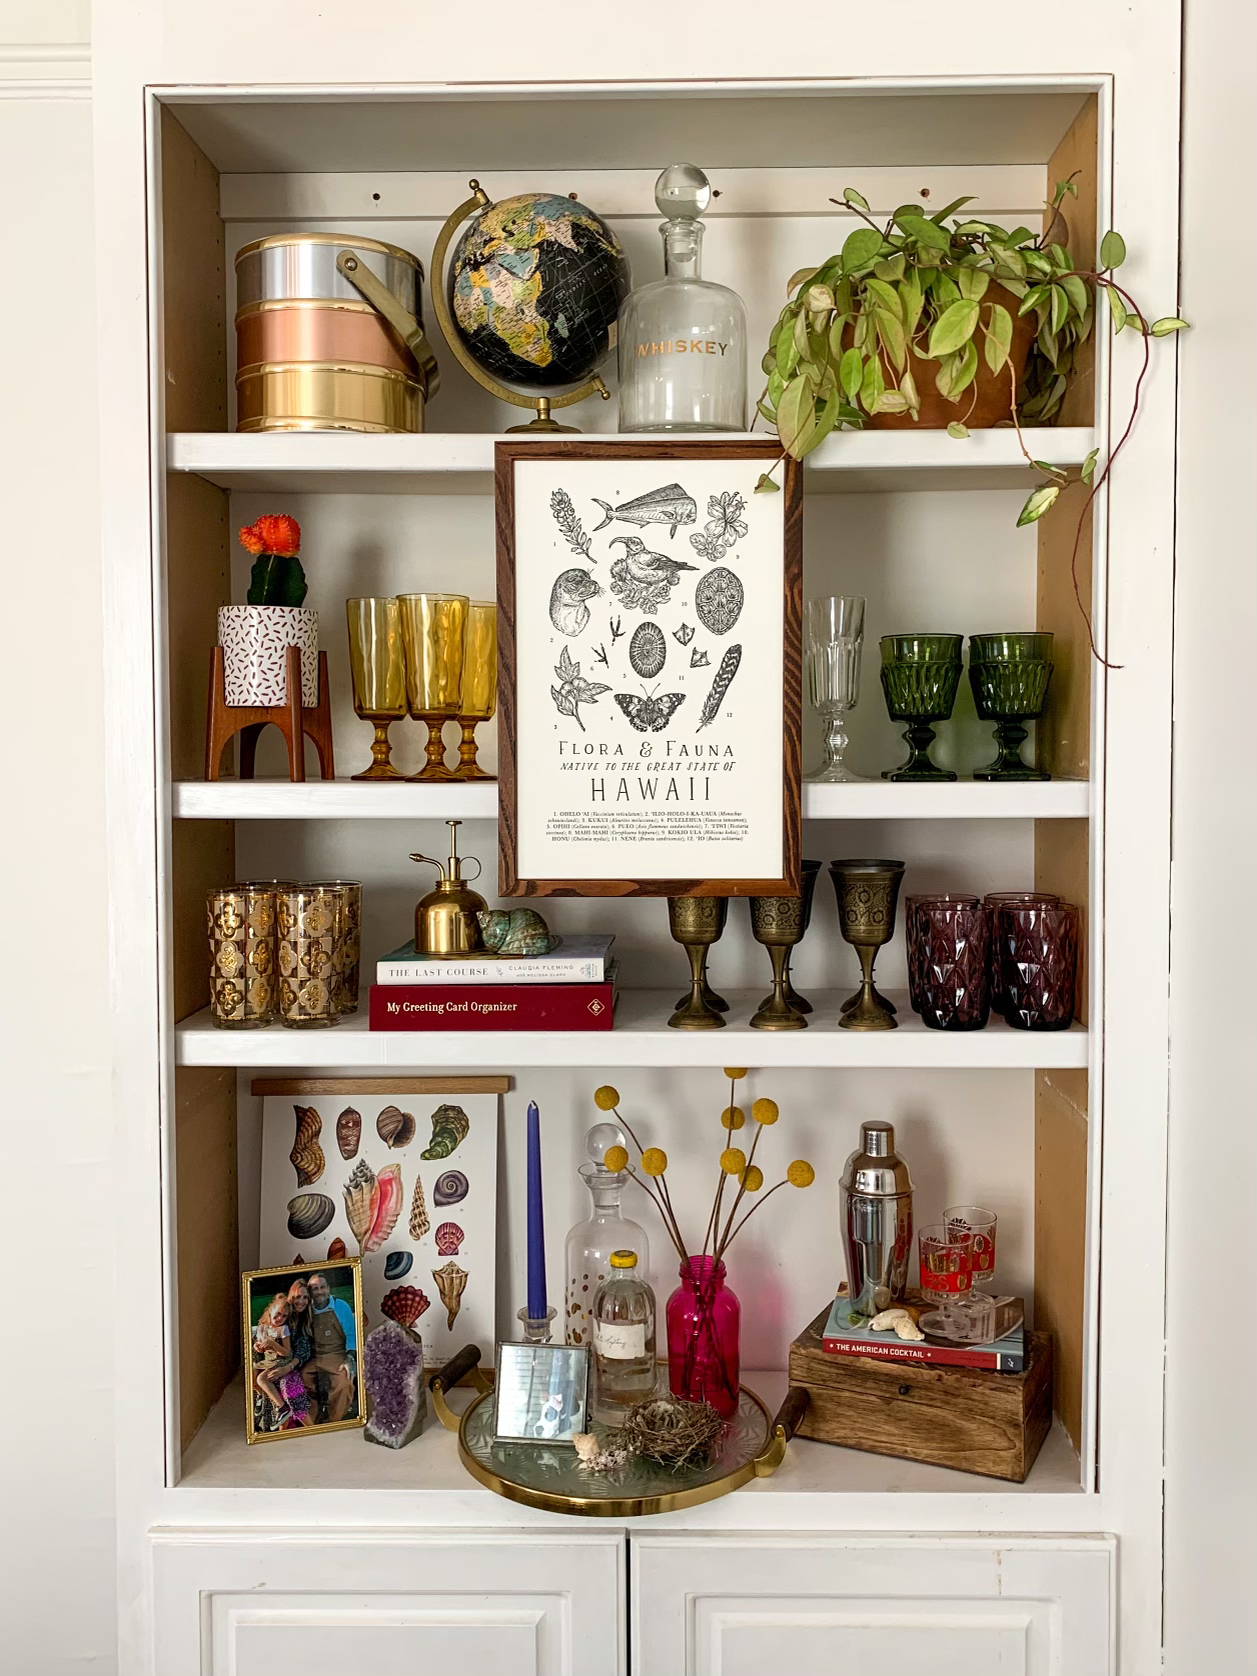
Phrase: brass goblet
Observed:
(480, 684)
(778, 922)
(867, 892)
(799, 1002)
(377, 662)
(696, 922)
(434, 627)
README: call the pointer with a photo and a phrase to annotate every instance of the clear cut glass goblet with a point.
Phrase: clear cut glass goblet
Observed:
(835, 641)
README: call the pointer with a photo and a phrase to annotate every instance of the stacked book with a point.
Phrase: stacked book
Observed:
(845, 1335)
(571, 988)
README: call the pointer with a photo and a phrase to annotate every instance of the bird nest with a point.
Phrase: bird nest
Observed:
(673, 1431)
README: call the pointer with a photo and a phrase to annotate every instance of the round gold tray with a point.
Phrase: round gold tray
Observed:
(551, 1478)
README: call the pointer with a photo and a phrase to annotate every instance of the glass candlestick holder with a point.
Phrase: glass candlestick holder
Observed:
(536, 1329)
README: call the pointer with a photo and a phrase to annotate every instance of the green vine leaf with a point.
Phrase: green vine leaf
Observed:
(1112, 250)
(1041, 501)
(999, 337)
(954, 327)
(795, 415)
(860, 248)
(851, 196)
(1089, 465)
(851, 373)
(973, 283)
(959, 431)
(1168, 325)
(765, 485)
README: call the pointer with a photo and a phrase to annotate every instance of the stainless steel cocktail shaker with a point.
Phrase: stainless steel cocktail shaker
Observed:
(876, 1220)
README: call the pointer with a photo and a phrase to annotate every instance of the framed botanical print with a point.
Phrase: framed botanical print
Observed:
(649, 626)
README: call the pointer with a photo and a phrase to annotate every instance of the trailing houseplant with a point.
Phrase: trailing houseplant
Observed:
(946, 320)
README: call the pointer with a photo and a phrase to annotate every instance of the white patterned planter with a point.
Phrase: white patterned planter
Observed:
(255, 641)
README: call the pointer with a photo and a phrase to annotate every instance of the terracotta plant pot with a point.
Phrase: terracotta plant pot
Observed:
(989, 393)
(255, 640)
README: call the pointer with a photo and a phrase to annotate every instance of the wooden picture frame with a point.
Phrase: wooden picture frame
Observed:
(692, 805)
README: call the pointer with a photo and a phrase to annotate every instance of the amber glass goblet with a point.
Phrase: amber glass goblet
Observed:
(778, 922)
(377, 662)
(696, 922)
(434, 628)
(920, 678)
(1010, 675)
(867, 892)
(480, 684)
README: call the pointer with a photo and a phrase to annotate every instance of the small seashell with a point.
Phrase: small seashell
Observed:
(449, 1236)
(306, 1156)
(517, 932)
(884, 1323)
(452, 1283)
(397, 1264)
(450, 1188)
(395, 1128)
(309, 1214)
(450, 1125)
(907, 1328)
(336, 1250)
(404, 1304)
(419, 1223)
(718, 600)
(349, 1132)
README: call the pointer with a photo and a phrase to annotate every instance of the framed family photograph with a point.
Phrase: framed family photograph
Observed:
(649, 646)
(302, 1331)
(541, 1392)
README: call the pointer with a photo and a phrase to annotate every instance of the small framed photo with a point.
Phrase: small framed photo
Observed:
(302, 1327)
(541, 1392)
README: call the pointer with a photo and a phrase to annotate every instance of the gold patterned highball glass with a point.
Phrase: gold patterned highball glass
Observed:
(778, 922)
(434, 629)
(377, 662)
(309, 919)
(348, 941)
(867, 892)
(240, 921)
(480, 684)
(696, 922)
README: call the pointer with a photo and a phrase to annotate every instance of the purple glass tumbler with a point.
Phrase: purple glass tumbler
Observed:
(911, 904)
(993, 901)
(1038, 964)
(950, 948)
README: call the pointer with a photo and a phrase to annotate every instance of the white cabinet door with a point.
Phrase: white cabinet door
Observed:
(894, 1606)
(344, 1604)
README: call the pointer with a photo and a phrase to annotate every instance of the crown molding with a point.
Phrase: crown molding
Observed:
(45, 69)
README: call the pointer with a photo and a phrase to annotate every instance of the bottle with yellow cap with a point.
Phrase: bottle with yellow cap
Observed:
(624, 1369)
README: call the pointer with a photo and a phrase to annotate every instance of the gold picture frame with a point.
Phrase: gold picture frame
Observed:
(285, 1392)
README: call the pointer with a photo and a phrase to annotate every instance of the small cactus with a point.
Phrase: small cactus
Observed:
(277, 577)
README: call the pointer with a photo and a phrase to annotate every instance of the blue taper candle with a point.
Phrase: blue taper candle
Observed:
(537, 1301)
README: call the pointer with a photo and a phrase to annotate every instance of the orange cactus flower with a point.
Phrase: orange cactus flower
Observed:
(274, 532)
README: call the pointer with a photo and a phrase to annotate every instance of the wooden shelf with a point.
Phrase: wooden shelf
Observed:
(336, 462)
(641, 1037)
(280, 800)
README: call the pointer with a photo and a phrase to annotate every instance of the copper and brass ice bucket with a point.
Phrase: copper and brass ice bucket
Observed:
(329, 336)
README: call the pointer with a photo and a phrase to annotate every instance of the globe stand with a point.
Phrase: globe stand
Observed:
(542, 404)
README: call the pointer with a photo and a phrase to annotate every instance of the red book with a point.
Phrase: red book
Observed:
(550, 1006)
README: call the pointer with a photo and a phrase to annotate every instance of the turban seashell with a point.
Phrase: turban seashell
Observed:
(450, 1188)
(519, 932)
(449, 1236)
(397, 1264)
(395, 1128)
(718, 600)
(309, 1214)
(404, 1304)
(349, 1132)
(306, 1156)
(450, 1125)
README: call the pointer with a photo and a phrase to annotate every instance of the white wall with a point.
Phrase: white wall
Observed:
(1211, 1462)
(56, 1398)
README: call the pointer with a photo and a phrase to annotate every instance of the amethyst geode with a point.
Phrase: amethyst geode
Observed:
(393, 1371)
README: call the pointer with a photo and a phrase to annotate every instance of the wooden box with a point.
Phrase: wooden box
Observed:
(966, 1418)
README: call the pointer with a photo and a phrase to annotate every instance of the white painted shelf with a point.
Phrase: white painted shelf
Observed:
(280, 800)
(817, 1486)
(641, 1037)
(337, 462)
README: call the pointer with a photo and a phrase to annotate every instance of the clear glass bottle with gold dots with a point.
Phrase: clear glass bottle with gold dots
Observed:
(604, 1230)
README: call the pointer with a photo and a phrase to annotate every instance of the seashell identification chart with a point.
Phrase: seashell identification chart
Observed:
(650, 673)
(360, 1176)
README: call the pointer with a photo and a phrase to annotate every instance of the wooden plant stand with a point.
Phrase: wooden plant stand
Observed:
(293, 720)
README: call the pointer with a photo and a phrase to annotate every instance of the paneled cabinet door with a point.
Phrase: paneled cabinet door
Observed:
(889, 1606)
(344, 1604)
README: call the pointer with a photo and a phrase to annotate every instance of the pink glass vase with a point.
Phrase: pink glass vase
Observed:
(704, 1329)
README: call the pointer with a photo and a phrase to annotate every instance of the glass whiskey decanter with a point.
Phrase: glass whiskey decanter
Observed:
(682, 339)
(624, 1371)
(591, 1242)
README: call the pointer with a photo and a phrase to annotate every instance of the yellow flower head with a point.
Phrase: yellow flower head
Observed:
(765, 1111)
(733, 1160)
(606, 1098)
(654, 1160)
(615, 1158)
(733, 1117)
(735, 1073)
(753, 1178)
(800, 1173)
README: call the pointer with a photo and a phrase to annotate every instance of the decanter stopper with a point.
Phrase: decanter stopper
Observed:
(599, 1141)
(682, 192)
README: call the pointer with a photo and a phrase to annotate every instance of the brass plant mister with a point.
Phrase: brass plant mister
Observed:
(445, 919)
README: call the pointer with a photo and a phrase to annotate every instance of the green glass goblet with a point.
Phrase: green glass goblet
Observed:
(1010, 675)
(920, 678)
